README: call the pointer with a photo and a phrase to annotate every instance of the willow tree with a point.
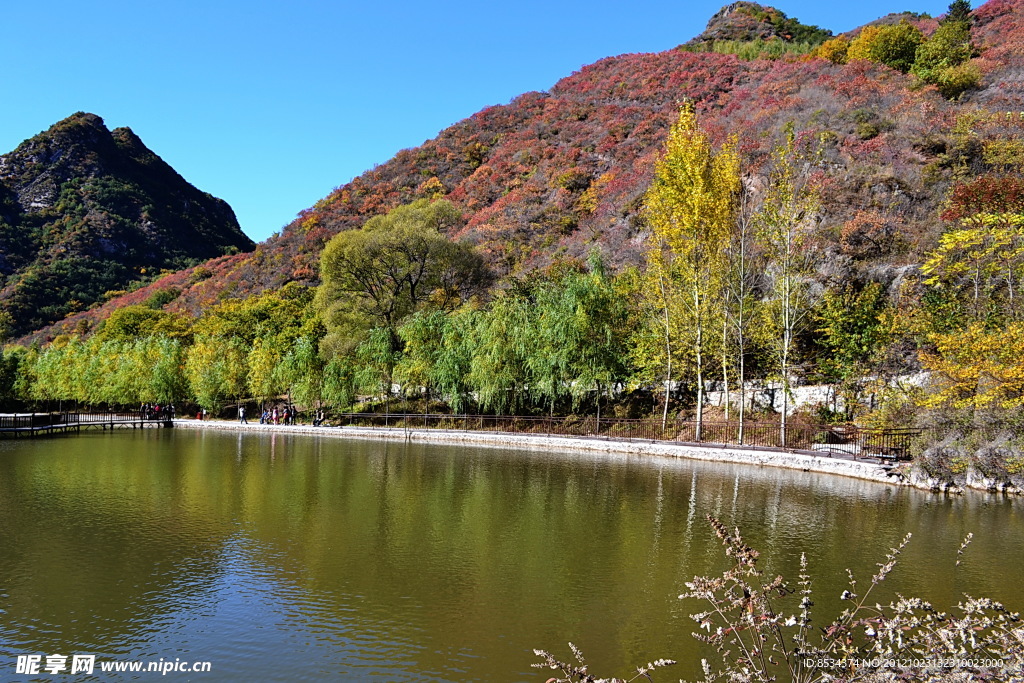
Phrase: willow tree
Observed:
(691, 209)
(263, 379)
(302, 372)
(579, 345)
(502, 342)
(395, 265)
(216, 370)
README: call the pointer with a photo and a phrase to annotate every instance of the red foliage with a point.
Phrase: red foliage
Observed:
(505, 166)
(986, 194)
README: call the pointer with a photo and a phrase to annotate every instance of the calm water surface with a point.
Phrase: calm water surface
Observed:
(290, 558)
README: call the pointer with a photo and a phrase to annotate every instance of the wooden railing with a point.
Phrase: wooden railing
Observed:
(885, 444)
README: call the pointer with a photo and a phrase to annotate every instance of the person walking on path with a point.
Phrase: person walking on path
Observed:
(241, 415)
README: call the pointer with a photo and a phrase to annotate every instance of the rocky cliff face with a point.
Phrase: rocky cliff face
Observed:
(85, 210)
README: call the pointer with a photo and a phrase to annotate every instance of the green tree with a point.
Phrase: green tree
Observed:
(17, 370)
(502, 342)
(395, 265)
(894, 45)
(339, 383)
(851, 332)
(438, 354)
(216, 369)
(423, 335)
(942, 59)
(132, 322)
(375, 361)
(262, 377)
(959, 12)
(302, 371)
(281, 315)
(165, 360)
(580, 332)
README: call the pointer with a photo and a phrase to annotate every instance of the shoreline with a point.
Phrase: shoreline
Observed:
(858, 469)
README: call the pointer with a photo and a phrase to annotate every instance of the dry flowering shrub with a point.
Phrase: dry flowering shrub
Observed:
(762, 630)
(577, 673)
(761, 636)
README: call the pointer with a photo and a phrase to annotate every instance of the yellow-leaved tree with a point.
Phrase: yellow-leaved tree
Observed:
(691, 209)
(977, 368)
(785, 222)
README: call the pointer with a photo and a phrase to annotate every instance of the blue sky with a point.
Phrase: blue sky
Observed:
(271, 105)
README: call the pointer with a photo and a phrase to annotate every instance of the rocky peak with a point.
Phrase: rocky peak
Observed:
(746, 21)
(85, 210)
(79, 146)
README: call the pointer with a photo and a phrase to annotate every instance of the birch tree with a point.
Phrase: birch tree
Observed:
(784, 224)
(741, 304)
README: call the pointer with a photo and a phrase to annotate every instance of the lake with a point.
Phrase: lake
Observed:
(280, 557)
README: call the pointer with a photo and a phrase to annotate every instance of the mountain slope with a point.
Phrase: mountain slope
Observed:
(551, 175)
(84, 210)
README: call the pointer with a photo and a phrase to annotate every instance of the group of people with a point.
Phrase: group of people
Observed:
(154, 411)
(287, 415)
(274, 416)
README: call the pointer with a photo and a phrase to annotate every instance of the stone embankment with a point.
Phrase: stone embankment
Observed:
(845, 466)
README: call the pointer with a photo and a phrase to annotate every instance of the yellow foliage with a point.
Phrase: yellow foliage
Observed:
(984, 258)
(834, 50)
(978, 368)
(431, 188)
(691, 209)
(691, 206)
(1005, 152)
(860, 47)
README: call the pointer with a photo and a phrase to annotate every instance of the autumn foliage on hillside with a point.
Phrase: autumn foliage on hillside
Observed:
(552, 174)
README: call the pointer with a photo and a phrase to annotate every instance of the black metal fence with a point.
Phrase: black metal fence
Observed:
(856, 442)
(32, 420)
(39, 420)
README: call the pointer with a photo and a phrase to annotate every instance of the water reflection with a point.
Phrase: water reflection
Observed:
(284, 558)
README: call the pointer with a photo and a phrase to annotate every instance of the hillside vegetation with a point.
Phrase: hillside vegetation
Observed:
(550, 175)
(849, 216)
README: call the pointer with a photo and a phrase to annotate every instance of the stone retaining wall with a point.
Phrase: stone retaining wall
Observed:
(799, 461)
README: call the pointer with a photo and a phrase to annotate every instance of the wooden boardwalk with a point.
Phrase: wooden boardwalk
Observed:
(36, 424)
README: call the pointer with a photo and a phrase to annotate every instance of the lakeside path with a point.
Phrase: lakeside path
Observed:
(847, 467)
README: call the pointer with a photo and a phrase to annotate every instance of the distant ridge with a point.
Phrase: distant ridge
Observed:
(85, 210)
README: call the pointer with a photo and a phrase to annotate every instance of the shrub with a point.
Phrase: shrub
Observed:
(833, 50)
(942, 60)
(762, 630)
(949, 46)
(895, 45)
(955, 81)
